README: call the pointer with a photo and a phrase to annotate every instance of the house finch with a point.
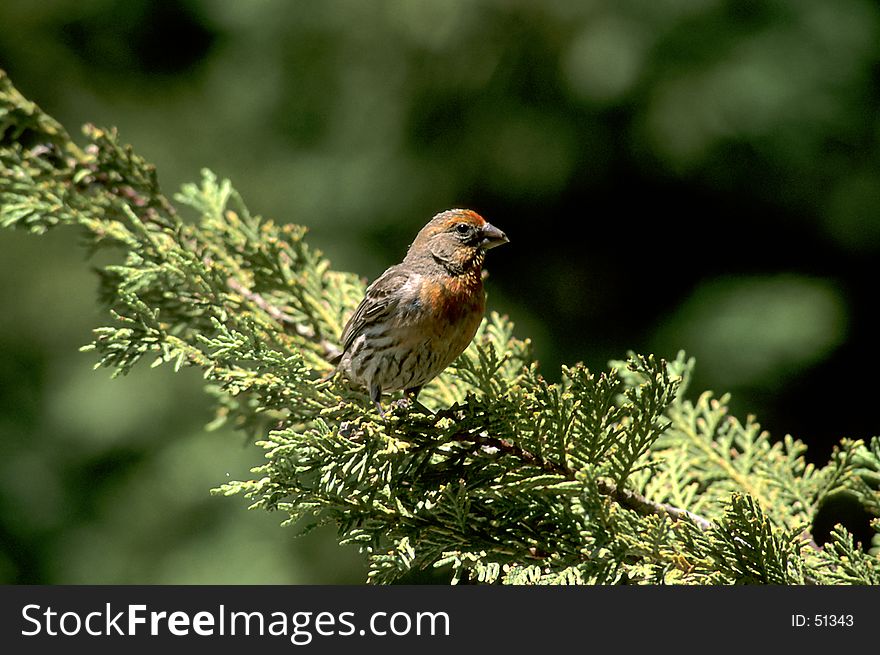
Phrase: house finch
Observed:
(421, 314)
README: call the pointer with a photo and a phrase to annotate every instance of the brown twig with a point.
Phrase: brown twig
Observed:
(281, 317)
(642, 505)
(625, 497)
(273, 311)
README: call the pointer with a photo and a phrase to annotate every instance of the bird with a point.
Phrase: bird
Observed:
(419, 315)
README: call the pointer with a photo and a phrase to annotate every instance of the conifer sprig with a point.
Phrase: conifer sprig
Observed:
(505, 477)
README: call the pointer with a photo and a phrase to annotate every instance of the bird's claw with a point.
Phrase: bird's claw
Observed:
(405, 404)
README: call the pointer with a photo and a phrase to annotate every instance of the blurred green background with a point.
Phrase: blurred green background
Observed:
(697, 174)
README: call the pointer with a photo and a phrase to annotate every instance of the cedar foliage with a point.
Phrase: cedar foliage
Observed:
(611, 477)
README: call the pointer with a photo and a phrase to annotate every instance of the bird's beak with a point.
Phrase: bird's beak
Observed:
(492, 237)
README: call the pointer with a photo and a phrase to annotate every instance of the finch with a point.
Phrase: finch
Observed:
(421, 314)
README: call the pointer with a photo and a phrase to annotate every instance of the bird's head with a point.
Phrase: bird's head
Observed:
(457, 239)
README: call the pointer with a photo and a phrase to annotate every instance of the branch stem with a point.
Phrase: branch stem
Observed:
(622, 496)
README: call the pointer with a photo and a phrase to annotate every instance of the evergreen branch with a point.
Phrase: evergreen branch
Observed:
(502, 475)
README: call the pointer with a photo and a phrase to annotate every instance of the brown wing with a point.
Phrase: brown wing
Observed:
(380, 299)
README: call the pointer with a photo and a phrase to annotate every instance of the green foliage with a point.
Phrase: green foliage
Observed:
(603, 478)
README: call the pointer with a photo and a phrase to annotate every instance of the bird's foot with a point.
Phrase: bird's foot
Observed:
(410, 403)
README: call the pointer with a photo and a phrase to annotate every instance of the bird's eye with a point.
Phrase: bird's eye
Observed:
(463, 228)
